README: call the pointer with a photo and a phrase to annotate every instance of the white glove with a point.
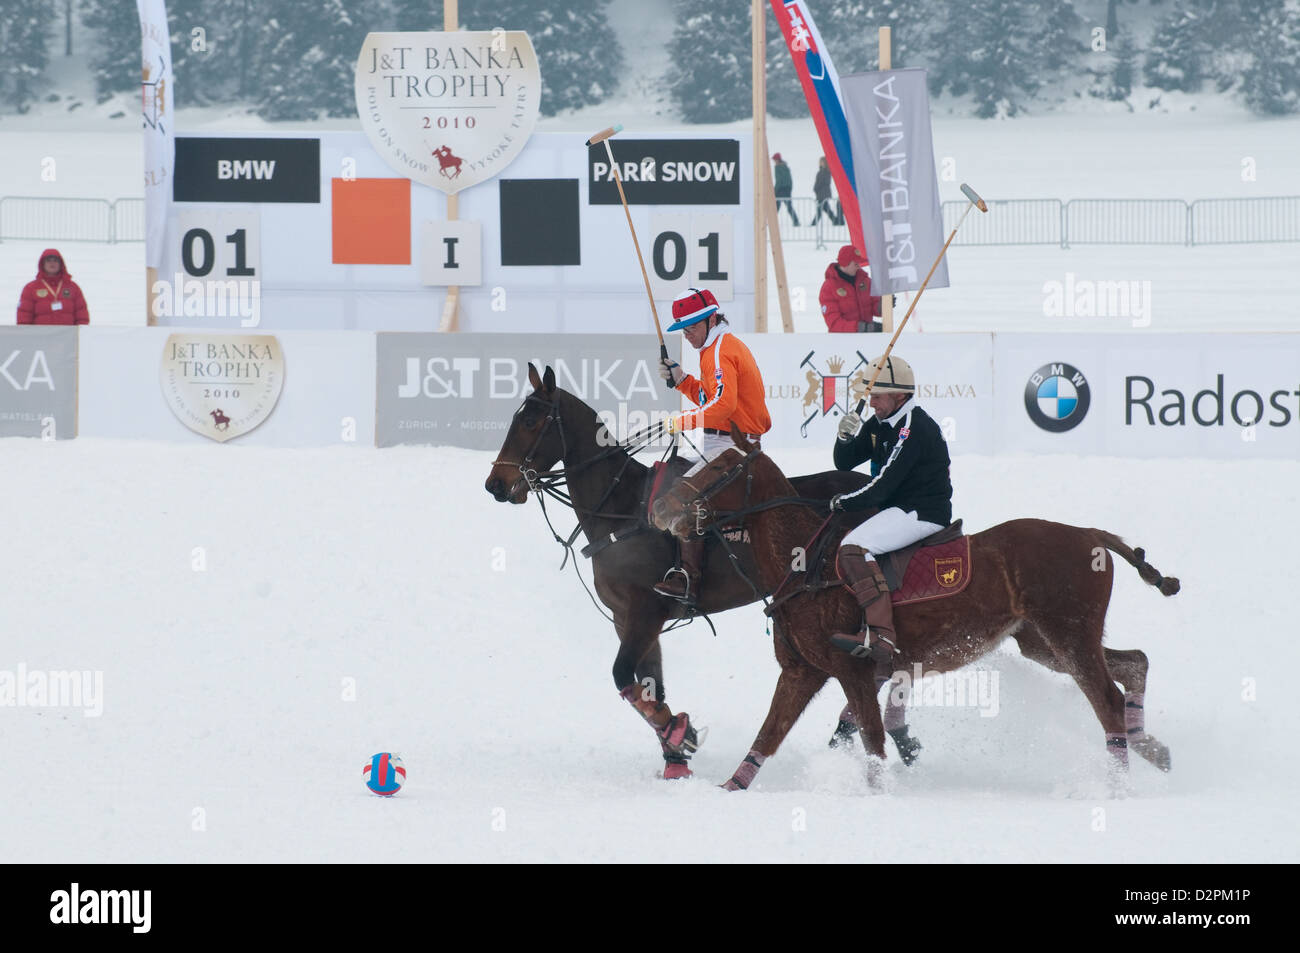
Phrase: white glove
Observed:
(850, 424)
(671, 371)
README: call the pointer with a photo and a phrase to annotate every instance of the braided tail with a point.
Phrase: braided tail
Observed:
(1168, 585)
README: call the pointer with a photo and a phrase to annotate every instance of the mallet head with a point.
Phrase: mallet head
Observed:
(978, 202)
(605, 134)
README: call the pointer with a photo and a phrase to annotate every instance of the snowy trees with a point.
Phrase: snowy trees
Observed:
(24, 33)
(1250, 45)
(580, 58)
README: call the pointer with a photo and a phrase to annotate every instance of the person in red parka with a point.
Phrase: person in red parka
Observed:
(847, 302)
(53, 298)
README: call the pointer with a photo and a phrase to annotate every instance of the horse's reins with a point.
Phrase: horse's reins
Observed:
(548, 483)
(728, 517)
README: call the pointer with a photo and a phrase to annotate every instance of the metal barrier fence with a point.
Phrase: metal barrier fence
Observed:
(1127, 222)
(61, 220)
(1092, 222)
(1008, 222)
(1233, 221)
(128, 220)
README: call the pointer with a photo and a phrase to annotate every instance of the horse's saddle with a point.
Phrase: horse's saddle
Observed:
(932, 568)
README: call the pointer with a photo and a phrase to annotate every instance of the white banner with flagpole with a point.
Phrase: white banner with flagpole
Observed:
(156, 101)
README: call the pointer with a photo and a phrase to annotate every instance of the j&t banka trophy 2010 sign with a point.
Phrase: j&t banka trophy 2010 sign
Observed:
(448, 110)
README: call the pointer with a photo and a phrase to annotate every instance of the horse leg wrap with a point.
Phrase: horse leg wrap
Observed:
(744, 775)
(1134, 715)
(1117, 745)
(675, 732)
(895, 710)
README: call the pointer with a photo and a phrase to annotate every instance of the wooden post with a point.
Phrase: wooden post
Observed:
(150, 276)
(886, 301)
(451, 304)
(778, 253)
(759, 82)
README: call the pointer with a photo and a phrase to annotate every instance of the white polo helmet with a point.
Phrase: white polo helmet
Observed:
(895, 378)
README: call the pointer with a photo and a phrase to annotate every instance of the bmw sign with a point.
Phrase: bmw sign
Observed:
(1057, 397)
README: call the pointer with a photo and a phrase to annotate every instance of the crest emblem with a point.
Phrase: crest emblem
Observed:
(41, 292)
(153, 94)
(222, 385)
(837, 390)
(448, 110)
(949, 571)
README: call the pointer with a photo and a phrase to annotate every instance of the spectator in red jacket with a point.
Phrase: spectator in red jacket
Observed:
(848, 305)
(53, 298)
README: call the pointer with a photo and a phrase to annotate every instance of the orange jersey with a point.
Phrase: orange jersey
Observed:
(731, 389)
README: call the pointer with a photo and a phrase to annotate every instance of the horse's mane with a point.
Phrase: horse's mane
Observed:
(570, 401)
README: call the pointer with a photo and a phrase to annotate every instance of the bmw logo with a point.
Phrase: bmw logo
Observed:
(1057, 397)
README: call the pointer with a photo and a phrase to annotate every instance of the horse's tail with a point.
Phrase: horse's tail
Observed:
(1168, 585)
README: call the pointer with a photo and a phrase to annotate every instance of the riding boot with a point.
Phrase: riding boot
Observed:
(684, 584)
(876, 639)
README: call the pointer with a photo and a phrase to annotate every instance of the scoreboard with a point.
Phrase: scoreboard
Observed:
(319, 232)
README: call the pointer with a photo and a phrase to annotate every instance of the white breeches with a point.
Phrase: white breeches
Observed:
(889, 530)
(709, 445)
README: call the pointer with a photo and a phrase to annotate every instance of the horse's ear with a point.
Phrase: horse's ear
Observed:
(548, 381)
(739, 440)
(533, 377)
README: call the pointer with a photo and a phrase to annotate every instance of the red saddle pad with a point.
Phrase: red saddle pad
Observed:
(935, 572)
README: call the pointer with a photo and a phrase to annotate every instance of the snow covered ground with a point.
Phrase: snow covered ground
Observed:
(230, 597)
(225, 736)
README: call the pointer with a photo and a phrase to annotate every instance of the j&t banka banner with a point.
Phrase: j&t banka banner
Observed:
(898, 192)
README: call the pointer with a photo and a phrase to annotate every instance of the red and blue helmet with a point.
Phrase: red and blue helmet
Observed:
(691, 307)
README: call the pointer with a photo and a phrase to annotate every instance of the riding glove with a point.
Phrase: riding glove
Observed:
(849, 426)
(671, 371)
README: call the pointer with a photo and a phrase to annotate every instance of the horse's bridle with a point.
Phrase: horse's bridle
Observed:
(699, 504)
(529, 473)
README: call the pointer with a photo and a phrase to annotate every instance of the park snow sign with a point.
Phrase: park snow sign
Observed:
(449, 110)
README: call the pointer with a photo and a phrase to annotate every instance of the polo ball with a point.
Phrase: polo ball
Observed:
(384, 774)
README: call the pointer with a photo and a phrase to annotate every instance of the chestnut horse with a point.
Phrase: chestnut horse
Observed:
(1046, 585)
(605, 485)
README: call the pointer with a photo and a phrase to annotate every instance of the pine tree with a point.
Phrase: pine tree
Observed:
(1179, 55)
(1271, 83)
(711, 78)
(310, 60)
(580, 58)
(24, 50)
(222, 63)
(115, 62)
(1002, 52)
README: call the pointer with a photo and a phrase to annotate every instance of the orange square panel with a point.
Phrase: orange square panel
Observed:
(372, 221)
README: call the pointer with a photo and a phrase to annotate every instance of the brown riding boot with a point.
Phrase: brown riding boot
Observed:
(876, 640)
(684, 584)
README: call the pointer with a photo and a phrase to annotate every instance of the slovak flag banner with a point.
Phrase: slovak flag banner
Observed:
(821, 87)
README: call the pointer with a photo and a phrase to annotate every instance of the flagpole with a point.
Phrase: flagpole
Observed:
(886, 301)
(451, 304)
(759, 83)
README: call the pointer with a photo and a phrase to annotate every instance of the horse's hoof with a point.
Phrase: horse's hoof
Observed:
(677, 770)
(730, 785)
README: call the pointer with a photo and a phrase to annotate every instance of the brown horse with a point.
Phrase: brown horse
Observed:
(605, 486)
(1046, 585)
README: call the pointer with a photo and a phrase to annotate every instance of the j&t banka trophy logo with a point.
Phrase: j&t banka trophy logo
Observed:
(837, 391)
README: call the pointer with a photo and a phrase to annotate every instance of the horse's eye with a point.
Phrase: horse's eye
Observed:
(530, 421)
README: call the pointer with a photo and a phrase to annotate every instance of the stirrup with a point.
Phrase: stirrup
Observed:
(687, 597)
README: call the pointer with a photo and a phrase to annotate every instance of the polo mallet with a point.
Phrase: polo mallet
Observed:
(604, 136)
(976, 202)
